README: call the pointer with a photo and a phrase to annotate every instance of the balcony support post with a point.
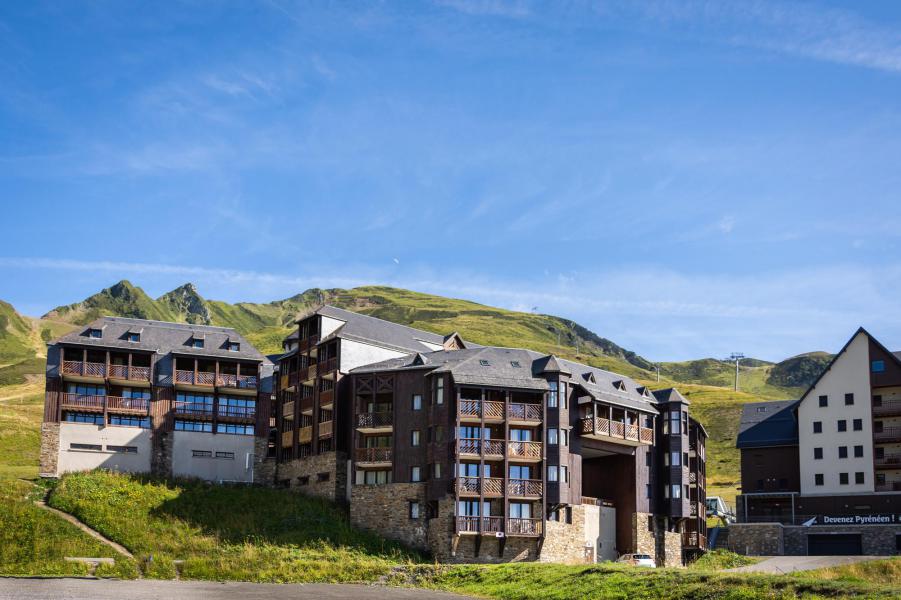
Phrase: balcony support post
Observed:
(506, 475)
(481, 467)
(106, 367)
(594, 418)
(432, 387)
(128, 372)
(216, 375)
(195, 372)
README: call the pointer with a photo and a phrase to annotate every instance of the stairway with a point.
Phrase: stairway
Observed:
(719, 538)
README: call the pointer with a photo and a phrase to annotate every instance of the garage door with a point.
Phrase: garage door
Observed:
(834, 544)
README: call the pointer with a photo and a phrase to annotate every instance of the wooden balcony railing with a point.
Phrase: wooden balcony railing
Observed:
(469, 485)
(468, 524)
(475, 408)
(523, 488)
(492, 524)
(287, 439)
(375, 420)
(292, 379)
(237, 412)
(305, 434)
(241, 382)
(326, 429)
(129, 404)
(288, 408)
(129, 373)
(693, 539)
(311, 372)
(481, 447)
(307, 343)
(373, 455)
(523, 527)
(526, 450)
(889, 486)
(887, 434)
(327, 397)
(85, 369)
(524, 412)
(82, 401)
(200, 409)
(889, 460)
(887, 407)
(487, 525)
(617, 429)
(327, 366)
(200, 378)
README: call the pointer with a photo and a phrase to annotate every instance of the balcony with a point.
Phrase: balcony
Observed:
(478, 447)
(372, 457)
(523, 527)
(237, 412)
(326, 428)
(84, 369)
(201, 378)
(288, 408)
(888, 434)
(305, 435)
(474, 486)
(240, 382)
(80, 402)
(327, 367)
(524, 488)
(326, 398)
(524, 451)
(194, 409)
(129, 405)
(287, 439)
(307, 343)
(693, 539)
(599, 428)
(887, 408)
(525, 413)
(889, 461)
(375, 422)
(889, 486)
(126, 373)
(293, 379)
(473, 410)
(310, 373)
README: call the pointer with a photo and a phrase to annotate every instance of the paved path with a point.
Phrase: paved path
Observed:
(145, 589)
(787, 564)
(91, 532)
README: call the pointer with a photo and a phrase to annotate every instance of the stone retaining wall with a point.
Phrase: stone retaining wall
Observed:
(263, 467)
(385, 509)
(322, 475)
(876, 540)
(49, 449)
(756, 539)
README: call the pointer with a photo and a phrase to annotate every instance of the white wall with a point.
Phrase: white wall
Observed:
(86, 460)
(356, 354)
(328, 325)
(849, 374)
(185, 464)
(430, 345)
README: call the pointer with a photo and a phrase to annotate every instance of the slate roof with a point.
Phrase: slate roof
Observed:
(467, 368)
(363, 328)
(163, 337)
(768, 424)
(670, 395)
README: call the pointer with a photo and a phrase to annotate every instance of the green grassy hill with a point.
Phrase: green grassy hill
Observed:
(15, 335)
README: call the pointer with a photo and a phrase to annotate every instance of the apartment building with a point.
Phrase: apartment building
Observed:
(152, 397)
(313, 398)
(500, 454)
(822, 475)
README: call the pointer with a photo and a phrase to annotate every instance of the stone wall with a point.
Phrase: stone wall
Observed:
(670, 552)
(756, 539)
(493, 550)
(263, 467)
(876, 540)
(567, 543)
(161, 457)
(49, 449)
(385, 509)
(645, 537)
(321, 475)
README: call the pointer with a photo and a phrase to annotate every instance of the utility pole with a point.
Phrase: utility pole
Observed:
(657, 368)
(736, 358)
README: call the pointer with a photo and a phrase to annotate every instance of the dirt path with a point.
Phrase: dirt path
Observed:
(91, 532)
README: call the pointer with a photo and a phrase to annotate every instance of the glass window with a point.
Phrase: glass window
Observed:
(414, 437)
(552, 395)
(203, 426)
(234, 347)
(237, 407)
(564, 474)
(122, 449)
(878, 366)
(824, 400)
(842, 425)
(95, 419)
(130, 421)
(818, 453)
(858, 424)
(520, 510)
(377, 477)
(436, 471)
(202, 453)
(849, 399)
(858, 451)
(675, 422)
(818, 427)
(197, 342)
(96, 333)
(415, 474)
(134, 337)
(564, 437)
(843, 479)
(414, 510)
(552, 473)
(552, 438)
(520, 472)
(439, 390)
(227, 455)
(417, 402)
(234, 428)
(843, 452)
(858, 478)
(676, 491)
(818, 479)
(136, 393)
(83, 389)
(87, 447)
(675, 459)
(563, 395)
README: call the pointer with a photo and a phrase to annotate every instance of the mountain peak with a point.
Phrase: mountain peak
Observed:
(187, 302)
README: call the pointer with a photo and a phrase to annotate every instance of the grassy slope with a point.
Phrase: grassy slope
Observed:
(21, 410)
(752, 379)
(15, 335)
(243, 533)
(884, 571)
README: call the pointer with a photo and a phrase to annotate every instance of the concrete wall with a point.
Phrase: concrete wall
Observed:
(849, 374)
(85, 460)
(328, 325)
(184, 464)
(356, 354)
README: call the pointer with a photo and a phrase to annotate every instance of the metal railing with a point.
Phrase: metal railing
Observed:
(887, 407)
(887, 433)
(889, 460)
(237, 412)
(194, 408)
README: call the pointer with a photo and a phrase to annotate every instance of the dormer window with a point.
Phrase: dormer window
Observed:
(515, 364)
(590, 377)
(484, 363)
(234, 347)
(133, 337)
(619, 385)
(95, 333)
(197, 342)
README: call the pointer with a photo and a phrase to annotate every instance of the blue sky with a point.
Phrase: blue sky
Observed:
(685, 178)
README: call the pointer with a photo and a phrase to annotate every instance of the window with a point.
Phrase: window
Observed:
(553, 436)
(675, 459)
(818, 427)
(647, 490)
(676, 491)
(417, 402)
(130, 421)
(515, 364)
(564, 437)
(675, 418)
(189, 403)
(197, 342)
(647, 459)
(133, 337)
(439, 390)
(415, 474)
(87, 447)
(843, 478)
(761, 409)
(817, 453)
(818, 479)
(436, 470)
(234, 428)
(227, 455)
(849, 399)
(858, 451)
(237, 407)
(414, 437)
(414, 510)
(842, 425)
(552, 395)
(202, 453)
(373, 477)
(234, 347)
(484, 362)
(323, 476)
(563, 395)
(95, 333)
(305, 480)
(439, 433)
(843, 452)
(552, 473)
(878, 366)
(203, 426)
(95, 419)
(877, 400)
(824, 400)
(83, 389)
(858, 424)
(564, 474)
(858, 477)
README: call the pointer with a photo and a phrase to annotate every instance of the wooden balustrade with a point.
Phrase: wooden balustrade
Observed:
(328, 366)
(524, 450)
(523, 527)
(631, 432)
(311, 372)
(288, 408)
(888, 406)
(85, 369)
(199, 378)
(129, 373)
(237, 412)
(468, 524)
(889, 486)
(82, 401)
(469, 485)
(524, 412)
(616, 429)
(287, 439)
(375, 420)
(130, 404)
(475, 408)
(889, 460)
(241, 382)
(194, 408)
(524, 487)
(326, 429)
(693, 539)
(305, 434)
(492, 524)
(646, 435)
(887, 434)
(326, 397)
(372, 455)
(292, 379)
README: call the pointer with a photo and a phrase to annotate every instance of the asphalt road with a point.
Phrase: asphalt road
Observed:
(146, 589)
(788, 564)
